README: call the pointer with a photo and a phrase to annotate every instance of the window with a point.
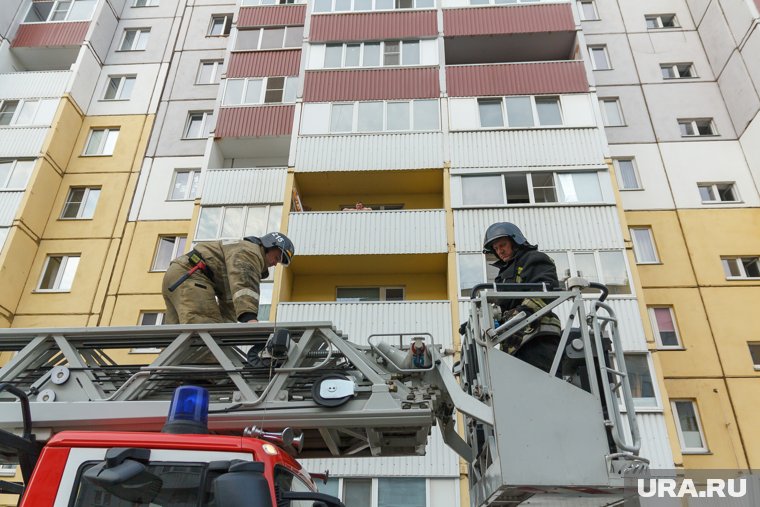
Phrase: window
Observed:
(754, 351)
(354, 294)
(697, 127)
(366, 5)
(80, 203)
(520, 112)
(235, 222)
(530, 188)
(640, 378)
(151, 319)
(717, 192)
(119, 87)
(7, 470)
(135, 39)
(60, 10)
(220, 25)
(209, 72)
(643, 245)
(27, 111)
(628, 177)
(599, 58)
(381, 116)
(101, 142)
(145, 3)
(655, 22)
(58, 273)
(664, 326)
(269, 38)
(741, 267)
(367, 54)
(246, 3)
(587, 10)
(612, 114)
(14, 174)
(401, 491)
(184, 185)
(689, 427)
(198, 125)
(264, 90)
(169, 248)
(677, 70)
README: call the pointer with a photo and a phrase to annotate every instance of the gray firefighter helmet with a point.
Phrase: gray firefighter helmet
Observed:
(504, 230)
(276, 239)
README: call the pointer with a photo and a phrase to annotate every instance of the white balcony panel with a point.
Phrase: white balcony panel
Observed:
(357, 321)
(528, 148)
(368, 233)
(27, 85)
(21, 142)
(551, 227)
(243, 186)
(440, 461)
(369, 152)
(9, 202)
(654, 439)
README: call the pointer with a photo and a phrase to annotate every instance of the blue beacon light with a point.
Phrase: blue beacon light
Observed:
(188, 412)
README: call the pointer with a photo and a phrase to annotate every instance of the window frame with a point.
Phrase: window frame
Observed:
(374, 7)
(716, 192)
(755, 363)
(659, 21)
(288, 82)
(65, 259)
(160, 316)
(355, 105)
(260, 38)
(54, 10)
(605, 52)
(205, 125)
(675, 70)
(581, 11)
(220, 226)
(619, 172)
(637, 248)
(536, 119)
(21, 107)
(382, 48)
(139, 32)
(382, 292)
(14, 166)
(180, 243)
(676, 416)
(226, 19)
(103, 143)
(189, 194)
(148, 3)
(739, 263)
(657, 407)
(605, 117)
(120, 87)
(215, 72)
(656, 328)
(82, 205)
(694, 123)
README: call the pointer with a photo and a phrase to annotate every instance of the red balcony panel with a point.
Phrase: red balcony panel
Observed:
(516, 79)
(379, 84)
(757, 2)
(265, 63)
(507, 20)
(257, 121)
(51, 34)
(373, 26)
(272, 15)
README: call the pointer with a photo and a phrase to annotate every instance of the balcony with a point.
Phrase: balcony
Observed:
(373, 26)
(271, 15)
(255, 131)
(516, 79)
(49, 46)
(509, 33)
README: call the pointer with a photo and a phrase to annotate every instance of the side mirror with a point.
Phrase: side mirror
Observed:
(124, 475)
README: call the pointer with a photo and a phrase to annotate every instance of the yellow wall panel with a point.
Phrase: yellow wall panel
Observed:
(127, 309)
(674, 268)
(699, 357)
(336, 202)
(131, 131)
(745, 393)
(35, 209)
(735, 318)
(15, 263)
(59, 144)
(718, 423)
(323, 287)
(713, 233)
(50, 320)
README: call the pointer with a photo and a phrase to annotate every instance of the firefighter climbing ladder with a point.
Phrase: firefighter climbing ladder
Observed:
(354, 400)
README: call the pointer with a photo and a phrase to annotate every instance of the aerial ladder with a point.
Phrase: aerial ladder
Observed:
(523, 432)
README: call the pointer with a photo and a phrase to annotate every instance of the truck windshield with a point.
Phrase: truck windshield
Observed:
(183, 485)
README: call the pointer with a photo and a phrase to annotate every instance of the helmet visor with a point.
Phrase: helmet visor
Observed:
(286, 257)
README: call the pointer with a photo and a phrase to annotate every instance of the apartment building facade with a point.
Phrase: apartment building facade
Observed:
(173, 121)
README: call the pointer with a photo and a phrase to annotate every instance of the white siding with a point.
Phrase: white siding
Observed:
(23, 85)
(243, 186)
(9, 202)
(552, 228)
(21, 142)
(367, 233)
(369, 152)
(526, 148)
(654, 440)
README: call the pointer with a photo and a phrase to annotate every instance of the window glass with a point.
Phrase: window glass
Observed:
(28, 110)
(333, 55)
(599, 58)
(490, 113)
(398, 116)
(271, 38)
(73, 202)
(519, 111)
(689, 425)
(362, 5)
(22, 171)
(612, 113)
(341, 118)
(233, 92)
(754, 348)
(517, 188)
(615, 272)
(548, 111)
(585, 266)
(628, 177)
(384, 4)
(371, 55)
(7, 110)
(81, 10)
(168, 249)
(640, 378)
(411, 54)
(425, 114)
(357, 492)
(401, 492)
(322, 5)
(253, 91)
(294, 37)
(275, 87)
(69, 271)
(291, 89)
(208, 223)
(346, 294)
(353, 55)
(256, 223)
(543, 187)
(579, 187)
(643, 245)
(666, 328)
(275, 217)
(392, 53)
(232, 226)
(38, 12)
(470, 272)
(561, 263)
(331, 487)
(342, 5)
(247, 39)
(370, 117)
(478, 190)
(751, 266)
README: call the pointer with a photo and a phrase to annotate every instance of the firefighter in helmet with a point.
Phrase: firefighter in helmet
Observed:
(218, 281)
(520, 262)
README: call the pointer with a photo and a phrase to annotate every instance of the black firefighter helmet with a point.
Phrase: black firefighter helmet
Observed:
(276, 239)
(504, 230)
